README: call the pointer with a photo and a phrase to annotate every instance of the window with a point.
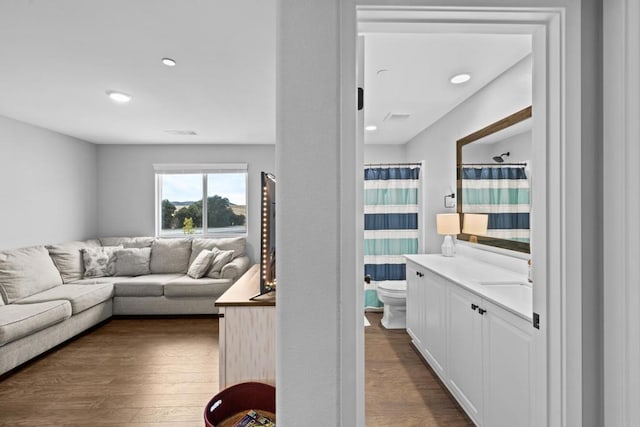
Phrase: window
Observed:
(181, 189)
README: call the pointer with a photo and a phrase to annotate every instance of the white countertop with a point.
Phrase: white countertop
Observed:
(473, 275)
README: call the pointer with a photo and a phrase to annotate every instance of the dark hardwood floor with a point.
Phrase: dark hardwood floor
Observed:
(128, 372)
(401, 390)
(161, 372)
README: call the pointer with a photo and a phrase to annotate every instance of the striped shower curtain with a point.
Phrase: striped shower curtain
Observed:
(503, 193)
(390, 224)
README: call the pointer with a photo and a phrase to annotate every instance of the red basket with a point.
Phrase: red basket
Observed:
(238, 398)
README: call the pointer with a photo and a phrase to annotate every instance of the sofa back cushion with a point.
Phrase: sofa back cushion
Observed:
(235, 244)
(132, 261)
(26, 271)
(127, 242)
(67, 257)
(170, 256)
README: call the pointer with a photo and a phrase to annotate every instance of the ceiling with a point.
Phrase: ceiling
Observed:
(407, 76)
(58, 59)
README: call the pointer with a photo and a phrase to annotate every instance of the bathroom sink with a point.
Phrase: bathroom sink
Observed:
(506, 284)
(516, 292)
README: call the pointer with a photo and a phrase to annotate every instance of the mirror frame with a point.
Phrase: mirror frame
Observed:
(501, 124)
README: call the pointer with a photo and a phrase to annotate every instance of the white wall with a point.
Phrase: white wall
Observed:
(126, 183)
(48, 186)
(518, 146)
(437, 144)
(385, 153)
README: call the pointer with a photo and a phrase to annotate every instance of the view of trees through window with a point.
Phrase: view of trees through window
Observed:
(182, 211)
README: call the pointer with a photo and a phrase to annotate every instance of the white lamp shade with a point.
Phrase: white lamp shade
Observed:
(448, 224)
(475, 224)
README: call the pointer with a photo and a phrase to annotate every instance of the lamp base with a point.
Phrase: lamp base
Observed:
(448, 249)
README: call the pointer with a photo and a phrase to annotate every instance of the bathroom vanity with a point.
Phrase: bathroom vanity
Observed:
(471, 321)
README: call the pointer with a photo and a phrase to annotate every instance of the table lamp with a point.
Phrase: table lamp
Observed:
(448, 225)
(475, 225)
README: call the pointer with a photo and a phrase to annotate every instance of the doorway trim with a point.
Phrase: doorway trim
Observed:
(621, 203)
(559, 263)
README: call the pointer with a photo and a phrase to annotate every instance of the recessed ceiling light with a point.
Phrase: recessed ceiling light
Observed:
(120, 97)
(460, 78)
(371, 127)
(169, 62)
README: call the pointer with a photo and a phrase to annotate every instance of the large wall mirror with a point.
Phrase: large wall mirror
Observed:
(494, 183)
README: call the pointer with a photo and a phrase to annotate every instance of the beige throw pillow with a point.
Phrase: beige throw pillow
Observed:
(201, 264)
(220, 259)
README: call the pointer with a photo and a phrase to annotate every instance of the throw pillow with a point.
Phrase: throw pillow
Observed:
(99, 261)
(201, 264)
(132, 261)
(220, 259)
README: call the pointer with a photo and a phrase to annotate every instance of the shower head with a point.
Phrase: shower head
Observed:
(499, 159)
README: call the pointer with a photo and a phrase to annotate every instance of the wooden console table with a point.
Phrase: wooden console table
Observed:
(247, 332)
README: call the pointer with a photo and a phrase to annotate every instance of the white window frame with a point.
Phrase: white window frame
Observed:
(198, 168)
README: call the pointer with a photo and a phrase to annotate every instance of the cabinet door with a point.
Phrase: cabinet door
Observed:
(413, 305)
(435, 332)
(465, 351)
(508, 379)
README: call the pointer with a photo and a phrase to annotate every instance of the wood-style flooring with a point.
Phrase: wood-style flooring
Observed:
(161, 372)
(400, 389)
(129, 372)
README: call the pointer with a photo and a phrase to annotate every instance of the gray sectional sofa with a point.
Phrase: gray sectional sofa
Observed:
(47, 296)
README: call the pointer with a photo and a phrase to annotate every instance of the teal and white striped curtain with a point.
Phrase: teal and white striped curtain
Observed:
(390, 224)
(503, 193)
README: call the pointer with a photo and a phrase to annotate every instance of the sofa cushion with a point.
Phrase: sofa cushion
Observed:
(99, 261)
(98, 280)
(26, 271)
(170, 256)
(81, 297)
(132, 262)
(186, 286)
(235, 244)
(200, 266)
(127, 242)
(150, 285)
(68, 258)
(20, 320)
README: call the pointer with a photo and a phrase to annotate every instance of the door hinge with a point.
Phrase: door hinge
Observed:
(536, 320)
(360, 99)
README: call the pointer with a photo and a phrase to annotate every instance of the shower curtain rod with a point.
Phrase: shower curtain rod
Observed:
(394, 163)
(494, 164)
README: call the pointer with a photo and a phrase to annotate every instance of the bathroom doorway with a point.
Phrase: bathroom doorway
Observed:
(544, 28)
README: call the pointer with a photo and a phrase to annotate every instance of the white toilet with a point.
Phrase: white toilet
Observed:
(394, 297)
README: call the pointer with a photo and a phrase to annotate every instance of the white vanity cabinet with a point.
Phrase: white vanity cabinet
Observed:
(464, 338)
(508, 368)
(426, 314)
(481, 350)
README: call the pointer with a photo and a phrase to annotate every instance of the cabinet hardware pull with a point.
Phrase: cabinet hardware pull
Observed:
(474, 306)
(482, 311)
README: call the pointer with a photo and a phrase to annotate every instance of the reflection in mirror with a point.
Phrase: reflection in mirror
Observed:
(493, 178)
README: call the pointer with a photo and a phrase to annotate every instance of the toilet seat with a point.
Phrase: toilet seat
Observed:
(393, 287)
